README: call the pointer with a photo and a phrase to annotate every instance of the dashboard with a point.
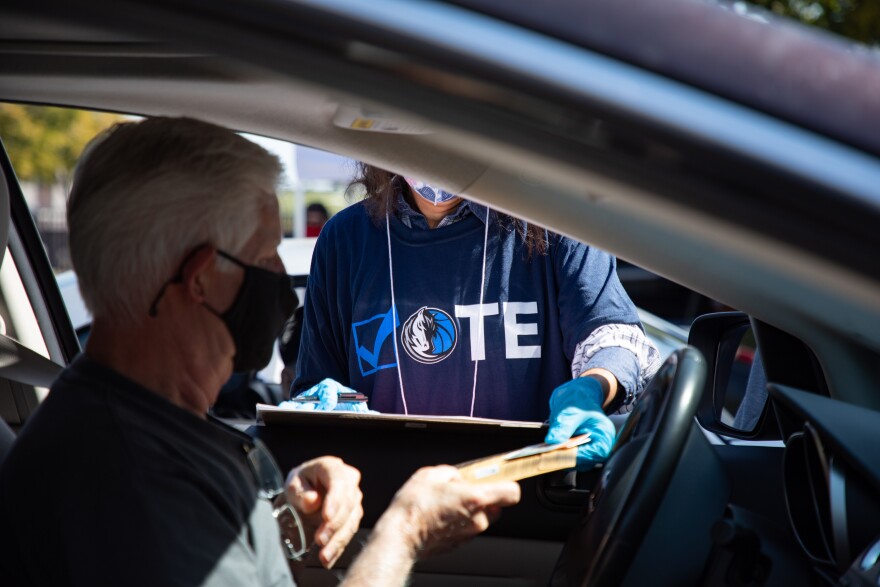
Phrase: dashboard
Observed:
(831, 476)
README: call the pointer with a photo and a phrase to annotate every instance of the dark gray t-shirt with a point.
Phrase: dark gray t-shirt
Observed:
(111, 484)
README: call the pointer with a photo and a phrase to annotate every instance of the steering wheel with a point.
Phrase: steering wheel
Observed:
(635, 477)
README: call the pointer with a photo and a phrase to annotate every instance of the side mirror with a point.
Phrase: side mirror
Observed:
(735, 395)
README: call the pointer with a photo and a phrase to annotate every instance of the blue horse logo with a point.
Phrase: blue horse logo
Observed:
(429, 335)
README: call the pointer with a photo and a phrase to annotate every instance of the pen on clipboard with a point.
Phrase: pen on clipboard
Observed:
(341, 398)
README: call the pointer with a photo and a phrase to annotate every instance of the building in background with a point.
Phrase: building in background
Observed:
(311, 177)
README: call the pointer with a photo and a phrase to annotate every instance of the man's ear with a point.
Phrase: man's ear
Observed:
(197, 271)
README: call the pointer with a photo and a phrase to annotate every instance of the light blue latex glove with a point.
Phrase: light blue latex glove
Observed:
(327, 392)
(576, 408)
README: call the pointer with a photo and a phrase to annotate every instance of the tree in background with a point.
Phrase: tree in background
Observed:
(855, 19)
(44, 142)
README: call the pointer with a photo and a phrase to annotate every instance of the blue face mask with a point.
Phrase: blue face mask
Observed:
(431, 193)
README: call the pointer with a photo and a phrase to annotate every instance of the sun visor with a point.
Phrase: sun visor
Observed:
(400, 144)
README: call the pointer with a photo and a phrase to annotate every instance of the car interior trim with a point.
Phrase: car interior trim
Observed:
(839, 525)
(803, 509)
(844, 427)
(20, 364)
(39, 280)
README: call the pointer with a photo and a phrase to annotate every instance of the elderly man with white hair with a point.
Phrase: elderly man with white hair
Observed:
(121, 477)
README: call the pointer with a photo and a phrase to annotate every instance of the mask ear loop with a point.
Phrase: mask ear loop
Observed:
(394, 306)
(480, 311)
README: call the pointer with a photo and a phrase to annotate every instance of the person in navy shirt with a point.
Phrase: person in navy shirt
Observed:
(432, 304)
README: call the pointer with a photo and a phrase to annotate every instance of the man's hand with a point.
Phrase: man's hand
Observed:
(326, 493)
(438, 509)
(434, 511)
(576, 408)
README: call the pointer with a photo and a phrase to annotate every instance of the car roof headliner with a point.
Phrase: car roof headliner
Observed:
(46, 61)
(151, 79)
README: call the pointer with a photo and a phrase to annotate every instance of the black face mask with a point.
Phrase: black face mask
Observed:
(256, 318)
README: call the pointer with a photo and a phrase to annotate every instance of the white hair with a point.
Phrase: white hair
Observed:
(147, 193)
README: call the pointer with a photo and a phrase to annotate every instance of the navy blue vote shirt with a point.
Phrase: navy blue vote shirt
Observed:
(536, 309)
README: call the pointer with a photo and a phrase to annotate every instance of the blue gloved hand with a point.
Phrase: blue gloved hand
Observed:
(327, 392)
(576, 408)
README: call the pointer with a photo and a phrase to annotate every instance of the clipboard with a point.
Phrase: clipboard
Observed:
(278, 416)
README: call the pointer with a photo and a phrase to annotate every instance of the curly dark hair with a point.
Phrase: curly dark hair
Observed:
(381, 187)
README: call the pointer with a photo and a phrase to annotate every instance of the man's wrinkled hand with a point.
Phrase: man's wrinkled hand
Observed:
(437, 509)
(326, 493)
(576, 408)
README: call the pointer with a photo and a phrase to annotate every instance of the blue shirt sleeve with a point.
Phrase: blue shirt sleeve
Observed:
(591, 295)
